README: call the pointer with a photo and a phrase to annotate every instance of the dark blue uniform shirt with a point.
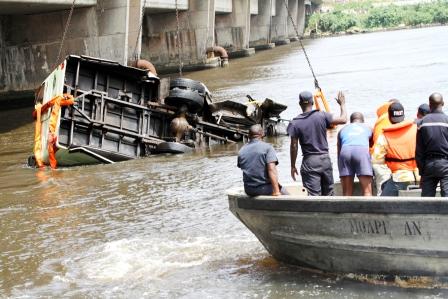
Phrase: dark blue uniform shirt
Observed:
(432, 138)
(311, 130)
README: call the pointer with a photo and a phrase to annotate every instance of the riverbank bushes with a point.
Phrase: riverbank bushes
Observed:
(356, 16)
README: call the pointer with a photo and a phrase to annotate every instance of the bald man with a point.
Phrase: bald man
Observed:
(432, 148)
(258, 161)
(354, 156)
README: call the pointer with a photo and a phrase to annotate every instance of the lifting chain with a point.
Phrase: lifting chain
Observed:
(178, 43)
(67, 24)
(316, 83)
(135, 55)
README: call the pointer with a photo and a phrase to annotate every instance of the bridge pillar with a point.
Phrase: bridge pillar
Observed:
(293, 6)
(280, 24)
(159, 42)
(260, 26)
(301, 16)
(232, 28)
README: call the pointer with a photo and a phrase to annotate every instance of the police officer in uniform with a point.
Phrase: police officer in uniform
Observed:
(432, 148)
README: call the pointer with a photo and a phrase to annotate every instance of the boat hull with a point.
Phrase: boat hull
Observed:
(398, 236)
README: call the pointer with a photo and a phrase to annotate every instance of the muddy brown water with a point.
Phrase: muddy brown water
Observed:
(160, 227)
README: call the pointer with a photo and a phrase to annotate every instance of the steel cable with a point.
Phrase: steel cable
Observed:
(316, 83)
(136, 55)
(178, 43)
(67, 24)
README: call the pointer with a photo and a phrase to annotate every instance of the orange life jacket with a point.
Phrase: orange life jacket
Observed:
(401, 140)
(381, 122)
(383, 109)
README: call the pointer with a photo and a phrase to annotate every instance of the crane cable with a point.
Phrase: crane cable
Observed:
(67, 24)
(316, 83)
(178, 43)
(136, 55)
(319, 97)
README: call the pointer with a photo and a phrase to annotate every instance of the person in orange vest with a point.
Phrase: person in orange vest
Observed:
(381, 172)
(381, 122)
(396, 149)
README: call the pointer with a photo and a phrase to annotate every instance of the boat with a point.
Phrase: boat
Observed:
(402, 236)
(90, 110)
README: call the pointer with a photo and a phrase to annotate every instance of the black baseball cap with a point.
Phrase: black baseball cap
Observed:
(424, 109)
(306, 97)
(396, 112)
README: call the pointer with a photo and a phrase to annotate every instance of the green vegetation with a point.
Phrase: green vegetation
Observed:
(367, 15)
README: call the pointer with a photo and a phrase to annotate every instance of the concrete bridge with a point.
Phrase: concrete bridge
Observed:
(31, 31)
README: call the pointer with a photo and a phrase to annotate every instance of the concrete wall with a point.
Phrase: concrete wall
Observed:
(160, 45)
(30, 43)
(232, 30)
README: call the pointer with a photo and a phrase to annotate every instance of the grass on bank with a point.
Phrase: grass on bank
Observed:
(367, 15)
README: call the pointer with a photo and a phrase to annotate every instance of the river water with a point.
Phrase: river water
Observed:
(160, 227)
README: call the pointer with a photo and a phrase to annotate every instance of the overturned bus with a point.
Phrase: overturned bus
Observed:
(91, 111)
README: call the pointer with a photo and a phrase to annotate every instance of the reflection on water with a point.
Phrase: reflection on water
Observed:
(160, 226)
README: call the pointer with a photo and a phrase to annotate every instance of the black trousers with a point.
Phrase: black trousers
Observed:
(434, 172)
(317, 175)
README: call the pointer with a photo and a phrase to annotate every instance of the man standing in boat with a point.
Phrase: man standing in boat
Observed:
(381, 171)
(422, 111)
(310, 129)
(396, 149)
(432, 148)
(258, 161)
(354, 156)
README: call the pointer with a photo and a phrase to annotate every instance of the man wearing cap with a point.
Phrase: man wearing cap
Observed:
(257, 160)
(381, 171)
(422, 110)
(310, 130)
(432, 148)
(396, 149)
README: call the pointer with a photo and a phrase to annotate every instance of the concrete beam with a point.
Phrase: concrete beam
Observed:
(22, 7)
(254, 7)
(161, 6)
(223, 6)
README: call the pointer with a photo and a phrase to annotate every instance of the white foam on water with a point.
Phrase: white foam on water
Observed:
(150, 260)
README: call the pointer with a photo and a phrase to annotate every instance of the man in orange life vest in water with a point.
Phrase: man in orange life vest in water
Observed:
(396, 148)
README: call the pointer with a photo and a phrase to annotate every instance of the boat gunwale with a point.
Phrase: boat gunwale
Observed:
(341, 204)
